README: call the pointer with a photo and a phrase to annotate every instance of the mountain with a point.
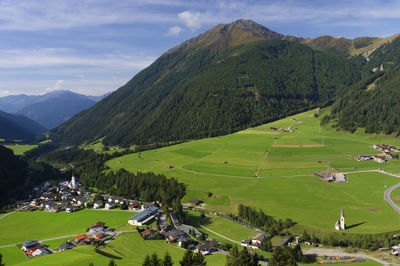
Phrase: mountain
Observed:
(51, 109)
(14, 126)
(231, 77)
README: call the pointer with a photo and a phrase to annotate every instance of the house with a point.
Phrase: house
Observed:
(174, 235)
(98, 204)
(100, 237)
(363, 157)
(33, 249)
(378, 158)
(70, 209)
(195, 202)
(144, 217)
(97, 225)
(182, 241)
(258, 239)
(133, 205)
(147, 205)
(109, 206)
(88, 203)
(214, 242)
(245, 243)
(66, 245)
(81, 237)
(29, 244)
(204, 249)
(340, 177)
(149, 233)
(40, 252)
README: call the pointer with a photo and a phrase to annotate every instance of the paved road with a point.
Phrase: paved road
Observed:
(338, 252)
(386, 196)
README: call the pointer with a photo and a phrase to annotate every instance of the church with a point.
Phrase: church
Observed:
(73, 184)
(340, 225)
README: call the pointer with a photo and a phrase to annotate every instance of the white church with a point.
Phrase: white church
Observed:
(73, 184)
(340, 225)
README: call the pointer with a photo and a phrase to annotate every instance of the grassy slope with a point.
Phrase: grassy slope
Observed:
(285, 187)
(130, 247)
(44, 225)
(20, 149)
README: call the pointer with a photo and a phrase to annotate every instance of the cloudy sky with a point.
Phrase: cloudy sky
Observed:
(96, 46)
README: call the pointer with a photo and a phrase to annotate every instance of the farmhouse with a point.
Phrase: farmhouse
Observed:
(363, 157)
(195, 202)
(258, 239)
(66, 245)
(379, 158)
(145, 217)
(29, 244)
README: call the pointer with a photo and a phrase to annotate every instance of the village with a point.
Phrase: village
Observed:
(387, 153)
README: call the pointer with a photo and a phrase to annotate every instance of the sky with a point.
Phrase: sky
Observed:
(96, 46)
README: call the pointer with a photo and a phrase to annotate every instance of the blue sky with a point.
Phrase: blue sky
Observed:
(96, 46)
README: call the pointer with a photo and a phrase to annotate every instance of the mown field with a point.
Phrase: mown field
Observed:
(224, 167)
(126, 249)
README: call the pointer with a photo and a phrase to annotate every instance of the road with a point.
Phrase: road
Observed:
(386, 196)
(338, 252)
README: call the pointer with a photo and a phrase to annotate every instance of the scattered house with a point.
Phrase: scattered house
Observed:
(363, 157)
(147, 205)
(395, 250)
(214, 242)
(204, 249)
(245, 243)
(133, 205)
(145, 217)
(96, 225)
(379, 158)
(40, 252)
(81, 237)
(258, 239)
(195, 202)
(66, 245)
(182, 241)
(88, 203)
(174, 235)
(330, 176)
(100, 237)
(70, 209)
(109, 206)
(29, 244)
(149, 233)
(98, 204)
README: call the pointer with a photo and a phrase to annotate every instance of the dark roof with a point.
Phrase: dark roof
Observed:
(29, 243)
(195, 201)
(260, 237)
(174, 233)
(144, 214)
(97, 225)
(66, 245)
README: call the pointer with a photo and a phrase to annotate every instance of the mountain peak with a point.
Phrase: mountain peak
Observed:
(235, 33)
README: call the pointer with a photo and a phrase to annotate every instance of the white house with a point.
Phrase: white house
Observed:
(98, 204)
(109, 206)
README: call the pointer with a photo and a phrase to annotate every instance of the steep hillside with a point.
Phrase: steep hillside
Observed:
(216, 83)
(377, 109)
(24, 123)
(15, 126)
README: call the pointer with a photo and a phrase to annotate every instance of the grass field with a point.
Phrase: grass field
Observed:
(285, 162)
(40, 225)
(128, 249)
(19, 149)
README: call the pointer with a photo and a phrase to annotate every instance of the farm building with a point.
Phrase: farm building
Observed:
(195, 202)
(145, 217)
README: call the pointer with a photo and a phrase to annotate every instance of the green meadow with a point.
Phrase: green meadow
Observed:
(39, 225)
(273, 171)
(20, 149)
(127, 249)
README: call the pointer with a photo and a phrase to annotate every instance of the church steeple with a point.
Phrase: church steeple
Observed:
(342, 223)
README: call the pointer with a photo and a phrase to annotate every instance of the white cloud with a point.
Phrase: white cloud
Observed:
(190, 19)
(174, 31)
(56, 87)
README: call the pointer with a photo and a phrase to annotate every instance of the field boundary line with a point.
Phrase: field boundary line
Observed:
(227, 238)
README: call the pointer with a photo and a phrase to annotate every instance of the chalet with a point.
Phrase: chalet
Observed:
(98, 204)
(245, 243)
(133, 205)
(213, 242)
(379, 158)
(195, 202)
(100, 237)
(149, 233)
(29, 244)
(81, 237)
(144, 217)
(88, 203)
(174, 235)
(66, 245)
(70, 209)
(182, 241)
(31, 250)
(97, 225)
(258, 239)
(204, 249)
(147, 205)
(109, 206)
(363, 157)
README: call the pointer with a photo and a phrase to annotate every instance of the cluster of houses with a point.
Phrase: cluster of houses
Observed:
(96, 234)
(329, 176)
(280, 129)
(380, 158)
(255, 242)
(70, 196)
(33, 248)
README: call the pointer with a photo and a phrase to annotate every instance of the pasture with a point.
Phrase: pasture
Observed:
(273, 170)
(127, 249)
(20, 149)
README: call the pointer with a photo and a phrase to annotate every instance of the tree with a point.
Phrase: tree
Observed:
(266, 245)
(112, 263)
(98, 197)
(147, 261)
(297, 253)
(282, 256)
(1, 260)
(154, 260)
(192, 259)
(187, 258)
(198, 259)
(167, 261)
(245, 257)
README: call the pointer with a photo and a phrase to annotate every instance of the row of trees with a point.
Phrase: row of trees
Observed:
(259, 219)
(189, 259)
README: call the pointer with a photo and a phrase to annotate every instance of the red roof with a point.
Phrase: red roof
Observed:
(80, 237)
(100, 236)
(29, 252)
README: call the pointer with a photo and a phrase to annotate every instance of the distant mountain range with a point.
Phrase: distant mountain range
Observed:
(49, 110)
(229, 78)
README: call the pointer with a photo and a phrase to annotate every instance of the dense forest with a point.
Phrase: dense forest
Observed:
(197, 91)
(375, 107)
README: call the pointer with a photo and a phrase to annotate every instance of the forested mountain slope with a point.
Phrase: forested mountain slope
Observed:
(14, 126)
(229, 78)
